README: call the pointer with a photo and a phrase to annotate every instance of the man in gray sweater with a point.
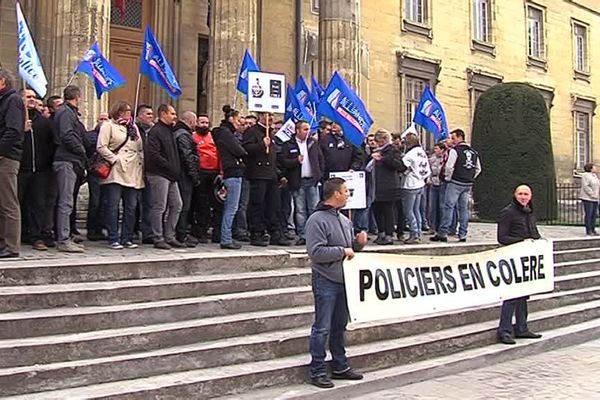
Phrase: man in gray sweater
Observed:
(329, 242)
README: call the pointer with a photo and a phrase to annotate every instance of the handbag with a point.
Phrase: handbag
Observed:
(99, 166)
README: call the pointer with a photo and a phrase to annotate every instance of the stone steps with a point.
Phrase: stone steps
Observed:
(15, 298)
(190, 325)
(238, 349)
(224, 380)
(52, 321)
(433, 368)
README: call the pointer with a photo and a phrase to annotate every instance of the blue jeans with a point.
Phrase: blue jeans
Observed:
(305, 201)
(114, 192)
(240, 222)
(434, 207)
(590, 210)
(234, 190)
(423, 208)
(442, 200)
(456, 195)
(331, 317)
(518, 307)
(411, 206)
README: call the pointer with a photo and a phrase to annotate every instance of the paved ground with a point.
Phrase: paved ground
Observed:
(478, 233)
(568, 373)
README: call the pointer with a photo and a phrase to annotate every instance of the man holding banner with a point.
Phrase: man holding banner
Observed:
(329, 242)
(515, 224)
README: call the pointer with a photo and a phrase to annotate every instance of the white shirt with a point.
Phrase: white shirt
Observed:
(306, 168)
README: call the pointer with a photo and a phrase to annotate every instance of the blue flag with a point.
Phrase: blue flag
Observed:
(317, 89)
(248, 65)
(430, 115)
(341, 105)
(155, 66)
(305, 98)
(105, 76)
(293, 109)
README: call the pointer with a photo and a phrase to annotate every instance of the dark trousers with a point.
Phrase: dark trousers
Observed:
(96, 211)
(385, 216)
(518, 308)
(114, 193)
(32, 198)
(206, 210)
(331, 317)
(142, 214)
(48, 230)
(285, 209)
(186, 190)
(590, 212)
(73, 217)
(263, 206)
(400, 218)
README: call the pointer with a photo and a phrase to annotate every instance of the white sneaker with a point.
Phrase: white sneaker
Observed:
(130, 245)
(116, 246)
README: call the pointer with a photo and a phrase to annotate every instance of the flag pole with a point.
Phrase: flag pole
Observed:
(71, 79)
(137, 94)
(26, 109)
(268, 149)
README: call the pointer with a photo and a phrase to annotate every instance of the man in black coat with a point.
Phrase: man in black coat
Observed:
(190, 175)
(340, 155)
(261, 172)
(12, 120)
(163, 169)
(301, 162)
(35, 172)
(515, 224)
(70, 161)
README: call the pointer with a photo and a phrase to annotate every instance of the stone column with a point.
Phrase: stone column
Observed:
(79, 24)
(44, 25)
(233, 30)
(8, 35)
(338, 40)
(166, 29)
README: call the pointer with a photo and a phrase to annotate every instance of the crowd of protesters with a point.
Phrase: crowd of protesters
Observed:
(174, 181)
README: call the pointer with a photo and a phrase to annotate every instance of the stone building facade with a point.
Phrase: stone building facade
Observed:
(387, 49)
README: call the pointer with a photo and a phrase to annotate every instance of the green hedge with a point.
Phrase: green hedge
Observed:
(511, 132)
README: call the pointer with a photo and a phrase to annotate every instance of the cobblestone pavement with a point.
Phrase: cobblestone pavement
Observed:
(478, 233)
(571, 373)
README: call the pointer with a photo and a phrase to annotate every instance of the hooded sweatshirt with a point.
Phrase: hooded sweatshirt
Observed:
(328, 233)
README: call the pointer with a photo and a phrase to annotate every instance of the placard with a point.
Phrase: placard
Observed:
(266, 92)
(356, 183)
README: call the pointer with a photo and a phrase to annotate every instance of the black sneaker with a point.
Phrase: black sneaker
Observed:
(231, 246)
(176, 243)
(322, 382)
(438, 238)
(350, 375)
(259, 240)
(161, 244)
(528, 335)
(506, 338)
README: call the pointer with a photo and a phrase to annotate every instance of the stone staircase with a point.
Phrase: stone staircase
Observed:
(236, 325)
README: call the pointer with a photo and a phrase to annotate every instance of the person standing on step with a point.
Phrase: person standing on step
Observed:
(231, 153)
(120, 143)
(190, 175)
(70, 160)
(163, 168)
(12, 124)
(261, 171)
(590, 195)
(302, 163)
(516, 223)
(144, 119)
(330, 241)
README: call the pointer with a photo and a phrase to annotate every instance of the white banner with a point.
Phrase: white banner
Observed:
(355, 181)
(387, 286)
(266, 92)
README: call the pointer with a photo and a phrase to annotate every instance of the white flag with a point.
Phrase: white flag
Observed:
(286, 131)
(30, 68)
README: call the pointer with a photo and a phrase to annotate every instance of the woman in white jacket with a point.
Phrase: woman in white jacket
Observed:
(417, 172)
(590, 195)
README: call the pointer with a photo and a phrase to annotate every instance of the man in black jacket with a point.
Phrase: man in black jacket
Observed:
(190, 176)
(69, 164)
(340, 155)
(515, 224)
(35, 172)
(12, 119)
(302, 163)
(261, 171)
(144, 119)
(163, 169)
